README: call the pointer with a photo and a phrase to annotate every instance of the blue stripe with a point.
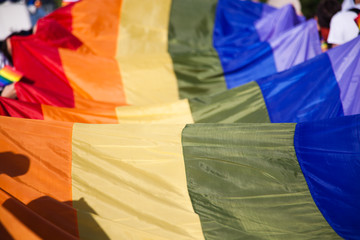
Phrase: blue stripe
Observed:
(308, 91)
(243, 57)
(4, 81)
(244, 64)
(329, 155)
(234, 23)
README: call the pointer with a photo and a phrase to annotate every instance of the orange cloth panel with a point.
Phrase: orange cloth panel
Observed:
(25, 158)
(100, 33)
(79, 115)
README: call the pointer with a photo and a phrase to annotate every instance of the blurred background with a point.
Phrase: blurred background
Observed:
(16, 15)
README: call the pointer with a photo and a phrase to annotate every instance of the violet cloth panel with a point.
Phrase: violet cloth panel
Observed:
(345, 60)
(275, 23)
(295, 46)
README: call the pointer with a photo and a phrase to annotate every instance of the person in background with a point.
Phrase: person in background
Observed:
(39, 9)
(343, 26)
(347, 4)
(324, 12)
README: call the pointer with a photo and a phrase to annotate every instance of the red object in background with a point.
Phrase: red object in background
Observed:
(324, 33)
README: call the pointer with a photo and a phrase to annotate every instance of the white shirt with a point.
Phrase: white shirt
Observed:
(343, 27)
(347, 4)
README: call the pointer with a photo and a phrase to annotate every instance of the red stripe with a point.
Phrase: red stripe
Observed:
(15, 108)
(42, 65)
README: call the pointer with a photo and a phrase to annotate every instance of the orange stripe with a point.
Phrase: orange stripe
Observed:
(100, 32)
(38, 155)
(79, 115)
(93, 78)
(8, 230)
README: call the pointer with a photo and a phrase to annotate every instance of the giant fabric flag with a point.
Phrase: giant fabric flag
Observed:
(323, 87)
(326, 86)
(130, 57)
(137, 181)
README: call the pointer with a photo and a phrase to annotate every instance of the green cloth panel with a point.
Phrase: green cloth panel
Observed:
(245, 182)
(243, 104)
(196, 62)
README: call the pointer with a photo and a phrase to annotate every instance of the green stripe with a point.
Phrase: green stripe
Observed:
(241, 104)
(196, 63)
(245, 182)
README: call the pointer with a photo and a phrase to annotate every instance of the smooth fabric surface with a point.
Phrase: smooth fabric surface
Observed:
(245, 182)
(328, 154)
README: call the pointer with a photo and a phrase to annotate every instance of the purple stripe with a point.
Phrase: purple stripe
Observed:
(345, 61)
(274, 23)
(296, 45)
(267, 9)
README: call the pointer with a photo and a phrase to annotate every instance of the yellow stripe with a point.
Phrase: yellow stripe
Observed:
(175, 112)
(11, 76)
(145, 65)
(143, 27)
(129, 182)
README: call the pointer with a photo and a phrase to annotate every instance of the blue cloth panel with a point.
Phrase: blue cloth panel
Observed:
(244, 64)
(329, 155)
(308, 91)
(234, 23)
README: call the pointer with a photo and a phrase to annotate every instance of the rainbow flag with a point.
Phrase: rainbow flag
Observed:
(156, 58)
(9, 75)
(176, 181)
(290, 96)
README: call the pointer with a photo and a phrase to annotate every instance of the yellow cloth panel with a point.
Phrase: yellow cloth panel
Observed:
(148, 79)
(143, 27)
(145, 65)
(132, 176)
(174, 112)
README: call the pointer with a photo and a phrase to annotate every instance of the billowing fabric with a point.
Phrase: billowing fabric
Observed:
(323, 87)
(206, 56)
(245, 64)
(290, 96)
(170, 181)
(178, 51)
